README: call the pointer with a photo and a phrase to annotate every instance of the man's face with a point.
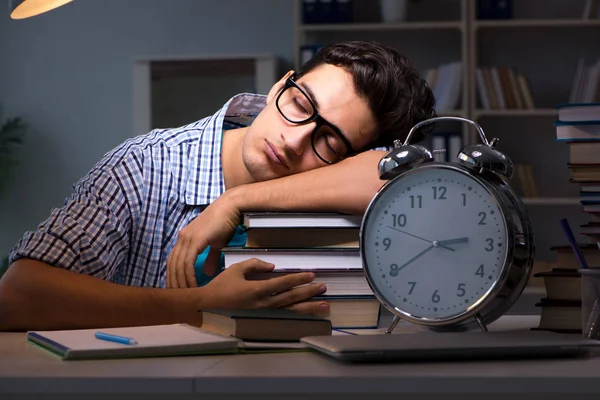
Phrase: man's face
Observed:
(274, 147)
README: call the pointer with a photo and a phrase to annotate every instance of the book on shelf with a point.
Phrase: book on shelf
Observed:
(308, 51)
(150, 341)
(502, 88)
(265, 324)
(591, 9)
(339, 283)
(352, 312)
(559, 315)
(523, 180)
(302, 237)
(578, 112)
(299, 219)
(338, 258)
(447, 86)
(586, 82)
(526, 92)
(451, 141)
(565, 258)
(561, 284)
(494, 9)
(327, 11)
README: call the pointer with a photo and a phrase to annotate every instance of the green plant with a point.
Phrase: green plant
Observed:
(12, 133)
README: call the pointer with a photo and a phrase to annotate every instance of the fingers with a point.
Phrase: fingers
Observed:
(316, 308)
(253, 265)
(186, 270)
(296, 295)
(284, 283)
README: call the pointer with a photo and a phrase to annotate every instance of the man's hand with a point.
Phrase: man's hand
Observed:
(214, 226)
(230, 289)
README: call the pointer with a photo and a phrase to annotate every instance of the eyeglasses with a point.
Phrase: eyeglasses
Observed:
(328, 143)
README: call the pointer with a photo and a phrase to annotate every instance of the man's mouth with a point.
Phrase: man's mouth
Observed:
(274, 154)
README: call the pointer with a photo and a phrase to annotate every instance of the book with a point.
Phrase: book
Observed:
(561, 284)
(584, 172)
(565, 258)
(589, 187)
(302, 237)
(571, 131)
(560, 315)
(155, 340)
(578, 112)
(307, 220)
(494, 9)
(352, 312)
(331, 258)
(584, 152)
(266, 324)
(340, 283)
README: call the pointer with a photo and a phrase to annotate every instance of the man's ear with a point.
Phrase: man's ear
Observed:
(278, 85)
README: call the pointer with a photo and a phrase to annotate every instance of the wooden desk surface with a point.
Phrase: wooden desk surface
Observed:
(25, 368)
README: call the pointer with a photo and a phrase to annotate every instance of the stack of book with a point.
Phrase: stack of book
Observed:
(324, 243)
(578, 126)
(561, 307)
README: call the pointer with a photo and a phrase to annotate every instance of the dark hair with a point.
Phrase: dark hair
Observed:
(390, 83)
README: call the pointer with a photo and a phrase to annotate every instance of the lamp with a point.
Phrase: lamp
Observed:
(20, 9)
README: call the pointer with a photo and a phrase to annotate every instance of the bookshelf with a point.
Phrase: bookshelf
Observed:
(543, 40)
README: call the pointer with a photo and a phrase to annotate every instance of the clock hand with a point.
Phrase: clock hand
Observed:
(453, 241)
(410, 234)
(414, 258)
(433, 242)
(443, 243)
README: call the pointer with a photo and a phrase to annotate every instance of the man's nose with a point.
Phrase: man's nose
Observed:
(297, 138)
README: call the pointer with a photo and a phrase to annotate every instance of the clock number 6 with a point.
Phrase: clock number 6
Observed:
(435, 297)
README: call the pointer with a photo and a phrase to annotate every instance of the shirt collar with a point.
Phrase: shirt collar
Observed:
(205, 181)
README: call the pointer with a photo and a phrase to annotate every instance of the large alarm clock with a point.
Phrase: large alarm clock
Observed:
(447, 245)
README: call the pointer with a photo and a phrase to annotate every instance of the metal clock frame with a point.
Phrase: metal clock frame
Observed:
(519, 249)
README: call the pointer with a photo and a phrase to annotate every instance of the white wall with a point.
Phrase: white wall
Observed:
(68, 74)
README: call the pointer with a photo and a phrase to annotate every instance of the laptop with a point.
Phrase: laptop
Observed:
(430, 345)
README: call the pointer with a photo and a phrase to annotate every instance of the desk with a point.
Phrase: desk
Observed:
(26, 369)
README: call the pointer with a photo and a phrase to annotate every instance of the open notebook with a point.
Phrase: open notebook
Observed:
(156, 340)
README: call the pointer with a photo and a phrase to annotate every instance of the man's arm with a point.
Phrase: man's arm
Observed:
(347, 186)
(37, 296)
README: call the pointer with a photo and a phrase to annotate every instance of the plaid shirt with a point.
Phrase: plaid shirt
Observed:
(122, 220)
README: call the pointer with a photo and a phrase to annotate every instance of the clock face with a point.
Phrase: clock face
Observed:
(434, 243)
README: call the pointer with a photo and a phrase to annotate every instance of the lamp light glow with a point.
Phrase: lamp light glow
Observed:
(20, 9)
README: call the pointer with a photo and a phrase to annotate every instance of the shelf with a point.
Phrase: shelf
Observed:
(532, 23)
(381, 26)
(551, 201)
(537, 112)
